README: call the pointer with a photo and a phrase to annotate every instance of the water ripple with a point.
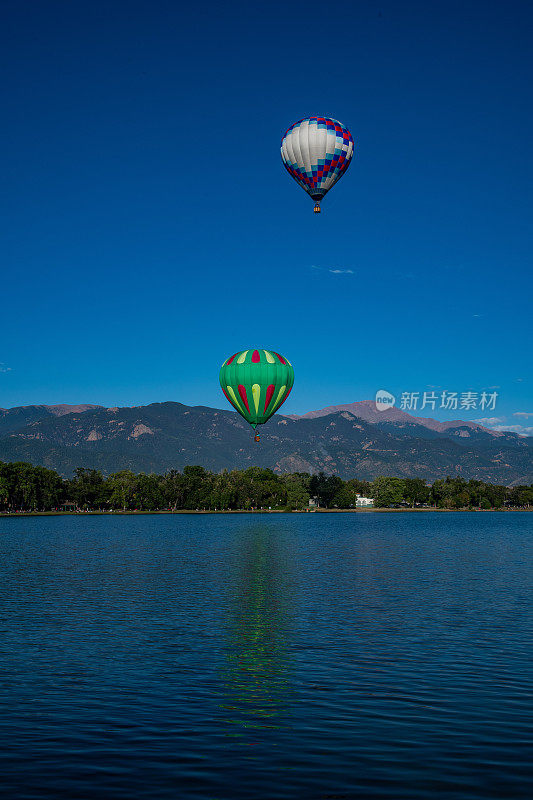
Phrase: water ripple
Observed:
(288, 656)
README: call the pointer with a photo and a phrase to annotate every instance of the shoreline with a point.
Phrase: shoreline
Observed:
(16, 514)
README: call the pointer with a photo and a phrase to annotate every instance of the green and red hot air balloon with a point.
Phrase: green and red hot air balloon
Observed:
(256, 383)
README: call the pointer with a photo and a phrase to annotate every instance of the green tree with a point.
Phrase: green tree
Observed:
(325, 488)
(173, 487)
(30, 488)
(88, 488)
(297, 486)
(452, 492)
(149, 493)
(122, 487)
(197, 483)
(363, 488)
(415, 491)
(387, 491)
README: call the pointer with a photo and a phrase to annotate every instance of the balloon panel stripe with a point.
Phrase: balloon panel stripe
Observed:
(244, 398)
(256, 392)
(269, 393)
(277, 402)
(234, 399)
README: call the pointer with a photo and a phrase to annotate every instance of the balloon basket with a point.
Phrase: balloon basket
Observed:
(317, 208)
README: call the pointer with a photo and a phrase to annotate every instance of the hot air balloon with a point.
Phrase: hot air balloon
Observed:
(317, 152)
(256, 383)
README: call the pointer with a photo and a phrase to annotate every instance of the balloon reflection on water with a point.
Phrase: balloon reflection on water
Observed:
(256, 668)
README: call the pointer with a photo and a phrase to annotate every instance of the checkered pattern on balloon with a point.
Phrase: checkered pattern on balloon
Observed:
(316, 152)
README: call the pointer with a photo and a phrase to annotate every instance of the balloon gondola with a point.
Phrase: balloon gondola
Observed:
(316, 152)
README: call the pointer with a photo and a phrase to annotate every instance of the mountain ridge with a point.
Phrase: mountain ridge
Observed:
(366, 409)
(170, 435)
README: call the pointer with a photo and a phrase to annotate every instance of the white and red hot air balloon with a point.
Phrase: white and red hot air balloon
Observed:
(316, 152)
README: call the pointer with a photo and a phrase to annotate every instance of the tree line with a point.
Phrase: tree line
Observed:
(24, 487)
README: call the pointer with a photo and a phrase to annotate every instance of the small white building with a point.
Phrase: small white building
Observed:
(364, 502)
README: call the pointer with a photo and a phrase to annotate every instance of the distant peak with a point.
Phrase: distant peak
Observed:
(61, 410)
(366, 409)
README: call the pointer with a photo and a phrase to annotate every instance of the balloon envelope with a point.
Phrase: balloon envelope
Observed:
(316, 152)
(256, 383)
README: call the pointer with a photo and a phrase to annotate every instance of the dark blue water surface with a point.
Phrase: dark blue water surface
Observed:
(274, 656)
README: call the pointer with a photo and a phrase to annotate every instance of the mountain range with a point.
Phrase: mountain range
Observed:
(351, 440)
(366, 409)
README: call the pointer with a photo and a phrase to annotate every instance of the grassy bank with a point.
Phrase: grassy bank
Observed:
(16, 514)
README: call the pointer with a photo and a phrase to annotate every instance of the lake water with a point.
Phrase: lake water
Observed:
(275, 656)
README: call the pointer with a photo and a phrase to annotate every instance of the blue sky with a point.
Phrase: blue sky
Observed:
(149, 229)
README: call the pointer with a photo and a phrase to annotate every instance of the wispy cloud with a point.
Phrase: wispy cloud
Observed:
(334, 270)
(4, 367)
(499, 424)
(477, 315)
(524, 430)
